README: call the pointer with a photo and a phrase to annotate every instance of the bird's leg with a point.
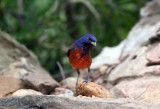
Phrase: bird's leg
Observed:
(88, 75)
(77, 80)
(86, 81)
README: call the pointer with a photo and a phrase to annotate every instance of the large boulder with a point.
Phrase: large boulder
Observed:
(136, 60)
(144, 32)
(137, 77)
(18, 62)
(11, 51)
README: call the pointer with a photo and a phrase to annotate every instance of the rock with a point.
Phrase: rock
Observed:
(60, 90)
(152, 8)
(41, 82)
(32, 77)
(9, 85)
(18, 69)
(70, 83)
(153, 56)
(24, 92)
(108, 55)
(58, 102)
(92, 89)
(138, 37)
(117, 93)
(11, 51)
(69, 94)
(133, 66)
(103, 69)
(144, 61)
(18, 62)
(146, 89)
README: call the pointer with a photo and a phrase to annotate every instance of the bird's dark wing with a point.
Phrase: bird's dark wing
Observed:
(68, 52)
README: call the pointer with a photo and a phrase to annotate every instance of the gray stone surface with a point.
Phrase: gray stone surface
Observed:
(57, 102)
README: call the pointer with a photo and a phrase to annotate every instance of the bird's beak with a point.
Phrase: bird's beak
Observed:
(93, 43)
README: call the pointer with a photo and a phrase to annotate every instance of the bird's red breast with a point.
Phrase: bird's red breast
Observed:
(79, 59)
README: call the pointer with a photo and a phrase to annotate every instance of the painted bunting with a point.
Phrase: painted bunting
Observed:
(79, 54)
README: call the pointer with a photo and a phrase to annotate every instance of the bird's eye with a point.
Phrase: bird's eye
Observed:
(89, 39)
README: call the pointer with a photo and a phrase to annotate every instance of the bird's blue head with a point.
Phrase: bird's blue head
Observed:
(87, 40)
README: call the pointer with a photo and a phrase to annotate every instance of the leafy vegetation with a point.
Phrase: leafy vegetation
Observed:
(49, 27)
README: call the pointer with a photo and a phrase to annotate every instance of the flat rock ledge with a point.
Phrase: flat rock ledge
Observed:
(60, 102)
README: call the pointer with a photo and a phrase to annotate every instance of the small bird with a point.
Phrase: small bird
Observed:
(79, 54)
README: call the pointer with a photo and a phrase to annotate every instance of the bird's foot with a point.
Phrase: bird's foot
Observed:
(85, 82)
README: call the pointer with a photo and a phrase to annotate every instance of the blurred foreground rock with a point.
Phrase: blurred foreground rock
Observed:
(60, 102)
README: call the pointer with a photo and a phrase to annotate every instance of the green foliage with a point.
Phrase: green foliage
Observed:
(49, 27)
